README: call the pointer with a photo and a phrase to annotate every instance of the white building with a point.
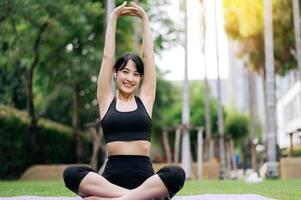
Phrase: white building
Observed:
(289, 113)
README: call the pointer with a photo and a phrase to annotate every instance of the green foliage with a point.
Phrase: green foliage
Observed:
(70, 52)
(69, 57)
(55, 143)
(168, 109)
(244, 18)
(236, 124)
(244, 23)
(166, 96)
(173, 112)
(296, 151)
(284, 37)
(197, 106)
(11, 90)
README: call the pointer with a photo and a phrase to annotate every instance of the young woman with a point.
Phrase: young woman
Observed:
(126, 122)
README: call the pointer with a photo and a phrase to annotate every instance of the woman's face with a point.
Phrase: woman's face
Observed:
(128, 79)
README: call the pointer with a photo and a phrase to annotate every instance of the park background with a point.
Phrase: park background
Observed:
(49, 64)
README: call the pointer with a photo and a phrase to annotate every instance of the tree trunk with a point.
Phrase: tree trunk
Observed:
(297, 33)
(186, 157)
(272, 169)
(27, 78)
(252, 111)
(27, 81)
(177, 145)
(228, 154)
(200, 153)
(97, 137)
(220, 109)
(232, 153)
(166, 146)
(76, 124)
(209, 153)
(110, 6)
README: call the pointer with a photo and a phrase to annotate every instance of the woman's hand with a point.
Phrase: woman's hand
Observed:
(134, 10)
(139, 10)
(120, 9)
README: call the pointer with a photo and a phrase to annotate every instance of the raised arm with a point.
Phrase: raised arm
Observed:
(104, 85)
(148, 87)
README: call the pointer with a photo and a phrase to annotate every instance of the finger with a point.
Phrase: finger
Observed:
(130, 11)
(135, 5)
(123, 13)
(128, 14)
(122, 5)
(130, 8)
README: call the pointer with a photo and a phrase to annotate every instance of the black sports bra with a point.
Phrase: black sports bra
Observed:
(126, 126)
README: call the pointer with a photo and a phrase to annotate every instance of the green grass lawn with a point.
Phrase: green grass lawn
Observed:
(278, 189)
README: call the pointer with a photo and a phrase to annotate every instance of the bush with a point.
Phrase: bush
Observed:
(296, 151)
(54, 143)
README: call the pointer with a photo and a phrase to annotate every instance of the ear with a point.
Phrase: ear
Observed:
(115, 75)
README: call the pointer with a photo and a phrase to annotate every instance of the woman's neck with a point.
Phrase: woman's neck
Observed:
(123, 96)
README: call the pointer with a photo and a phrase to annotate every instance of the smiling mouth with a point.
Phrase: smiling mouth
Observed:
(128, 85)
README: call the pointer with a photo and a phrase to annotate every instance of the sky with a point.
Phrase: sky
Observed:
(172, 60)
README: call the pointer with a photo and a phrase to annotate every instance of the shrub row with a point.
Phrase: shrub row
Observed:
(54, 141)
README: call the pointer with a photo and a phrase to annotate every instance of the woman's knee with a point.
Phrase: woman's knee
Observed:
(73, 175)
(173, 178)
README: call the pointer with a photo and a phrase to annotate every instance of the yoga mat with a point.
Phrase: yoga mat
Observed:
(196, 197)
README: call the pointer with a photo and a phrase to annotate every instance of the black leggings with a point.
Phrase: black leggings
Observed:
(128, 172)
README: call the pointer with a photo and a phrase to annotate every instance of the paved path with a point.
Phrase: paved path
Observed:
(197, 197)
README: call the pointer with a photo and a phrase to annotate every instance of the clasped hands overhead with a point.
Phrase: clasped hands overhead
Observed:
(132, 10)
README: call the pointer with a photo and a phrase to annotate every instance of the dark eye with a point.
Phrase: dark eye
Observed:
(125, 71)
(136, 74)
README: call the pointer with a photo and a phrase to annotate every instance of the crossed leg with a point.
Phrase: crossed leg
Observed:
(90, 185)
(151, 188)
(94, 184)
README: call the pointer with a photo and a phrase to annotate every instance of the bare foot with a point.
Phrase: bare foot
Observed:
(100, 198)
(95, 198)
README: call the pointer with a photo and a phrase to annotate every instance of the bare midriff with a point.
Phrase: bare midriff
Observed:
(139, 147)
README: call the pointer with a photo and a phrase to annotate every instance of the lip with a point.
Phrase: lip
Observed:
(128, 85)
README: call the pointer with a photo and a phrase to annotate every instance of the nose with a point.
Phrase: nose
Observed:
(130, 77)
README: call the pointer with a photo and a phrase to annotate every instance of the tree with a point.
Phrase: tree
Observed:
(207, 93)
(219, 105)
(69, 55)
(24, 46)
(272, 168)
(236, 125)
(296, 13)
(278, 43)
(172, 113)
(186, 157)
(253, 115)
(54, 64)
(246, 26)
